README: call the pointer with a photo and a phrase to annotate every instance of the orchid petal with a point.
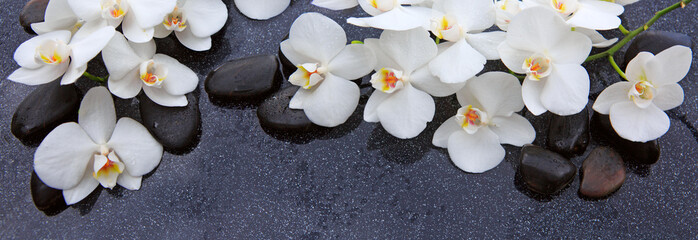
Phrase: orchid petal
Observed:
(73, 73)
(134, 32)
(668, 96)
(371, 108)
(180, 79)
(498, 92)
(119, 57)
(144, 50)
(513, 58)
(566, 90)
(382, 60)
(295, 57)
(64, 23)
(572, 48)
(536, 29)
(669, 66)
(638, 124)
(129, 182)
(618, 92)
(86, 10)
(458, 63)
(423, 80)
(443, 133)
(148, 13)
(335, 4)
(410, 49)
(136, 148)
(487, 43)
(97, 115)
(592, 18)
(38, 76)
(159, 31)
(319, 35)
(25, 55)
(636, 67)
(86, 186)
(62, 157)
(354, 61)
(87, 48)
(163, 98)
(530, 92)
(471, 15)
(205, 17)
(193, 42)
(262, 9)
(514, 130)
(475, 153)
(398, 19)
(406, 112)
(332, 102)
(298, 98)
(127, 87)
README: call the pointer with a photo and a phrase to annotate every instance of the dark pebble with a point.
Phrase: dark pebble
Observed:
(635, 152)
(603, 173)
(244, 79)
(176, 128)
(47, 199)
(274, 112)
(569, 135)
(544, 171)
(43, 110)
(32, 12)
(654, 42)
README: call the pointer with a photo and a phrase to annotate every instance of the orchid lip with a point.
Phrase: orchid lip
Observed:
(152, 74)
(383, 5)
(176, 20)
(471, 119)
(446, 27)
(114, 9)
(52, 52)
(307, 75)
(537, 66)
(642, 93)
(107, 168)
(565, 7)
(388, 80)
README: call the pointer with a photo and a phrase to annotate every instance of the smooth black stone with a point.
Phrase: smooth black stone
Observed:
(636, 152)
(569, 135)
(603, 173)
(46, 199)
(655, 42)
(244, 79)
(32, 12)
(544, 171)
(176, 128)
(43, 110)
(274, 112)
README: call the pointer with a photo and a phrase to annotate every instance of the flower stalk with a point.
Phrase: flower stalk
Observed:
(634, 33)
(615, 66)
(95, 78)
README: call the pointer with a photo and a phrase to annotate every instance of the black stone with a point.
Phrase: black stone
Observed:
(635, 152)
(43, 110)
(544, 171)
(32, 12)
(274, 112)
(244, 79)
(654, 42)
(603, 173)
(569, 135)
(176, 128)
(47, 199)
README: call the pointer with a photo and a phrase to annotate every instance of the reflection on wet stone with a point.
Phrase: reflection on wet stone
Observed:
(569, 135)
(544, 171)
(249, 78)
(603, 173)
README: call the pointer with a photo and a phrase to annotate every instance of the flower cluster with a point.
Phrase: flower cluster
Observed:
(546, 41)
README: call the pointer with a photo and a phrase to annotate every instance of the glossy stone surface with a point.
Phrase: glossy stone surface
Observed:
(243, 79)
(543, 171)
(654, 41)
(603, 173)
(32, 12)
(43, 110)
(569, 135)
(240, 182)
(274, 112)
(176, 128)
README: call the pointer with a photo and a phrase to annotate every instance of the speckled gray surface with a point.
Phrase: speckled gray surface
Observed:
(354, 181)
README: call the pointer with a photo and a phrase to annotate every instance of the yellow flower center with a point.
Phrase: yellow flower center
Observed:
(537, 66)
(471, 119)
(152, 74)
(52, 52)
(175, 20)
(388, 80)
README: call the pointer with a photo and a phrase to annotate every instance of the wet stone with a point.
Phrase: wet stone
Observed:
(635, 152)
(43, 110)
(32, 12)
(45, 198)
(603, 173)
(544, 171)
(244, 79)
(569, 135)
(176, 128)
(655, 42)
(274, 112)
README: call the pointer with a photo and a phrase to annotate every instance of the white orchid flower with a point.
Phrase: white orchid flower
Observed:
(597, 40)
(317, 46)
(462, 22)
(46, 57)
(486, 120)
(194, 21)
(135, 66)
(401, 101)
(505, 11)
(336, 4)
(621, 2)
(591, 14)
(262, 9)
(541, 45)
(139, 17)
(636, 107)
(392, 15)
(77, 157)
(58, 16)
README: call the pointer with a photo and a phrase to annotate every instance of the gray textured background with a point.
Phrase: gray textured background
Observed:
(354, 181)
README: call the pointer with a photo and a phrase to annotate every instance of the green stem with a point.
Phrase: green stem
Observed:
(623, 30)
(94, 78)
(520, 77)
(438, 40)
(637, 31)
(615, 66)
